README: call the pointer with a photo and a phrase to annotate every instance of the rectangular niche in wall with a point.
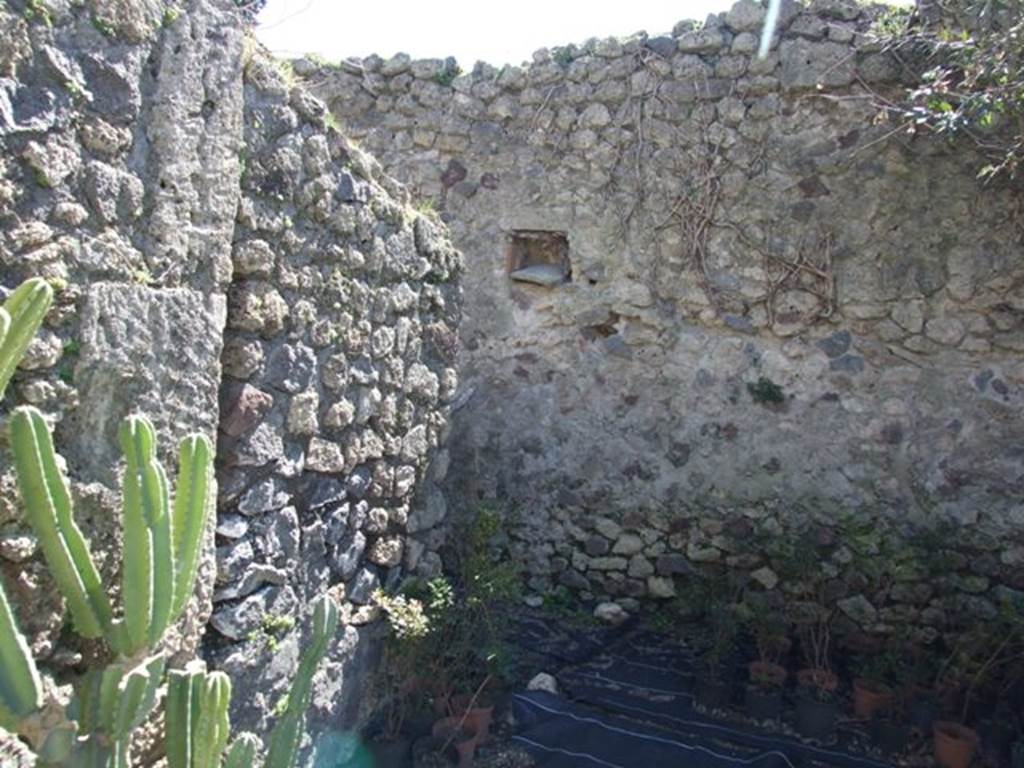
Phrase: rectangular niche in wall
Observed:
(538, 257)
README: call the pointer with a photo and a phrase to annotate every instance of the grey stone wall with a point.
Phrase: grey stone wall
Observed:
(779, 310)
(119, 143)
(225, 262)
(338, 364)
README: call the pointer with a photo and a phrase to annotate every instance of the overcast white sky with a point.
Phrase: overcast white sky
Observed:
(469, 30)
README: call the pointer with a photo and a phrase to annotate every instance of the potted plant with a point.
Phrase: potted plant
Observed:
(767, 676)
(798, 560)
(458, 735)
(976, 656)
(416, 617)
(714, 681)
(954, 743)
(817, 708)
(715, 598)
(472, 654)
(872, 690)
(921, 671)
(763, 696)
(405, 653)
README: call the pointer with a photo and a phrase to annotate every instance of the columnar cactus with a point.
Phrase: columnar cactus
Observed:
(287, 733)
(109, 705)
(196, 717)
(48, 511)
(20, 686)
(161, 548)
(160, 560)
(244, 752)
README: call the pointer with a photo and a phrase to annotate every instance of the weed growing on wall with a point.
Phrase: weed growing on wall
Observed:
(766, 392)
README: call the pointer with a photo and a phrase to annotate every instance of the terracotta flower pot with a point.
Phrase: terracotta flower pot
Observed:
(955, 744)
(458, 734)
(870, 697)
(480, 716)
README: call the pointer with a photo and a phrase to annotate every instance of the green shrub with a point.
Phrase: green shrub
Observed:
(967, 60)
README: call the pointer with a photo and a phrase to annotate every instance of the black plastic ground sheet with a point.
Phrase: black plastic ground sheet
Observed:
(627, 701)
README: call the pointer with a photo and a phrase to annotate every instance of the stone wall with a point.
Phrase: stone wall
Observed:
(338, 365)
(225, 262)
(777, 309)
(119, 139)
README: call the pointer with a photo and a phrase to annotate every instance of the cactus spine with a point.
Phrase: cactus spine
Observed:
(287, 733)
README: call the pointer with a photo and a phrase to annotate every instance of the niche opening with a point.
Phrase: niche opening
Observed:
(538, 257)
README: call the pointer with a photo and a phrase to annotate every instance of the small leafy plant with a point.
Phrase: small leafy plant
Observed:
(766, 392)
(447, 76)
(409, 651)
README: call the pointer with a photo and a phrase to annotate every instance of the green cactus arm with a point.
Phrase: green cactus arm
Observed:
(147, 569)
(109, 694)
(182, 713)
(178, 716)
(163, 557)
(197, 722)
(130, 691)
(214, 724)
(284, 739)
(49, 511)
(5, 329)
(137, 693)
(93, 753)
(24, 310)
(21, 690)
(193, 497)
(243, 752)
(7, 719)
(58, 744)
(202, 735)
(155, 666)
(84, 707)
(119, 758)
